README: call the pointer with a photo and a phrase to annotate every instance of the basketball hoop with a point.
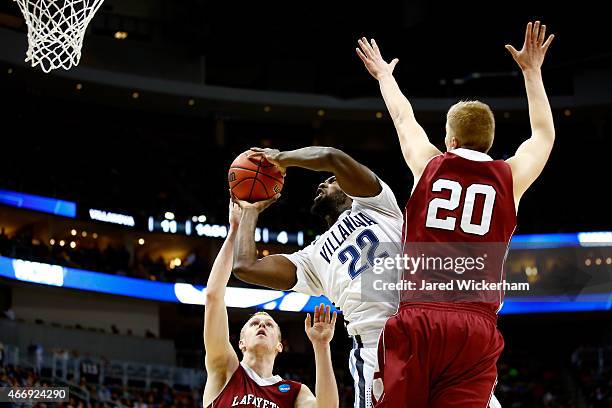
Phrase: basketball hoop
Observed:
(55, 30)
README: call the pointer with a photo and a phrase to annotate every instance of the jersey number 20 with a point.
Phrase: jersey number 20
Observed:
(451, 204)
(366, 241)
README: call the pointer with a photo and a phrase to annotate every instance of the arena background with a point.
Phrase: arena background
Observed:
(168, 93)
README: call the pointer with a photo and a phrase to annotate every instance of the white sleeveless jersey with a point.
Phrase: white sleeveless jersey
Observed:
(333, 265)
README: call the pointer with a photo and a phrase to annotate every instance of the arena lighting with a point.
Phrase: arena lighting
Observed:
(79, 87)
(282, 237)
(320, 112)
(9, 71)
(54, 275)
(38, 203)
(141, 241)
(379, 115)
(589, 239)
(110, 217)
(36, 272)
(120, 35)
(202, 218)
(169, 215)
(72, 244)
(73, 232)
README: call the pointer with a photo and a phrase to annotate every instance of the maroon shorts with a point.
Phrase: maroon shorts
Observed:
(438, 356)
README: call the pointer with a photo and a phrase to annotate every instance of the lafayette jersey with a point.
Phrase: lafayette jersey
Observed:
(334, 263)
(247, 389)
(464, 202)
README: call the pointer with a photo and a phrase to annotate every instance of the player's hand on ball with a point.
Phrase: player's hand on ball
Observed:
(234, 214)
(321, 331)
(258, 206)
(531, 56)
(270, 155)
(373, 60)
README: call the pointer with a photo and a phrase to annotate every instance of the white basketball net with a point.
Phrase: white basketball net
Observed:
(55, 30)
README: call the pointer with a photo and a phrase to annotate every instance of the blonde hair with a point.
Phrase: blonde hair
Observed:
(472, 124)
(261, 313)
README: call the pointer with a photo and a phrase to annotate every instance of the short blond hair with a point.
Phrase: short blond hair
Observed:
(472, 124)
(261, 313)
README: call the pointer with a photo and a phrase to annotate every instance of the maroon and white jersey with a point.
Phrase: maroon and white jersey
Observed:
(464, 198)
(247, 389)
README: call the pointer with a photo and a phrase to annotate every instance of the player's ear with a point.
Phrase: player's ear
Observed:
(279, 347)
(242, 346)
(454, 142)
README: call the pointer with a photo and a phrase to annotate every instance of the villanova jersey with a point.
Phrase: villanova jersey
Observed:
(249, 390)
(334, 264)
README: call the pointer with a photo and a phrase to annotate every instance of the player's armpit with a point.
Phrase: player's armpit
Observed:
(305, 398)
(528, 162)
(273, 271)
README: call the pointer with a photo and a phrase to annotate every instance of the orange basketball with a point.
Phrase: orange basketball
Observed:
(252, 178)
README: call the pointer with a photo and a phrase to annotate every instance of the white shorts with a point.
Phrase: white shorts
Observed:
(362, 364)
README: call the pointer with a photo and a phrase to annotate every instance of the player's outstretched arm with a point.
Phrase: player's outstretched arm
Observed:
(354, 178)
(221, 359)
(273, 271)
(416, 147)
(320, 331)
(532, 155)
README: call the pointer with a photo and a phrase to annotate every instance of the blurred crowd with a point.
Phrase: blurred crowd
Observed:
(113, 258)
(523, 383)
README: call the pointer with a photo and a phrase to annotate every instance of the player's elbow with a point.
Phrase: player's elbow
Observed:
(242, 271)
(333, 157)
(213, 296)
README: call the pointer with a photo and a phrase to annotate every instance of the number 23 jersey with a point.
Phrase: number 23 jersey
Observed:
(334, 264)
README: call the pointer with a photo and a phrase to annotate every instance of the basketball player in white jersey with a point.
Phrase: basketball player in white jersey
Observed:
(364, 222)
(250, 383)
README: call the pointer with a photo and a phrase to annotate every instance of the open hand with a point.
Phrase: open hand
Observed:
(321, 332)
(373, 61)
(531, 56)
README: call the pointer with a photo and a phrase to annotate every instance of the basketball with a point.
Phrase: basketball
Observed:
(252, 178)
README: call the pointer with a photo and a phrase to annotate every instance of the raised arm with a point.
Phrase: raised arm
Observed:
(273, 271)
(220, 359)
(354, 178)
(532, 154)
(416, 147)
(320, 334)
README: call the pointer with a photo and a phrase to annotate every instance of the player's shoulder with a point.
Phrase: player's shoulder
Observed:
(305, 397)
(384, 202)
